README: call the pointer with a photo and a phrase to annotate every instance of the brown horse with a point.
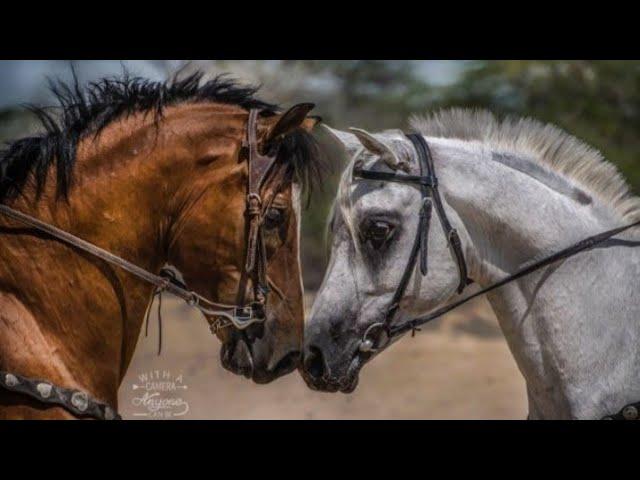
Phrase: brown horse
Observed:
(155, 173)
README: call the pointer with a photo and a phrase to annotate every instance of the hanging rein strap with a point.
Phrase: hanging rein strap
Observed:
(168, 274)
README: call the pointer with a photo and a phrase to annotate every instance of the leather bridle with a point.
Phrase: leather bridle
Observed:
(219, 315)
(260, 168)
(430, 197)
(372, 338)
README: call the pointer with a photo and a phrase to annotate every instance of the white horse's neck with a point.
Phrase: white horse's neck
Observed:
(572, 327)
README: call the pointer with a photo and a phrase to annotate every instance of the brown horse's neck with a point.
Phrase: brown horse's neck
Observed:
(72, 319)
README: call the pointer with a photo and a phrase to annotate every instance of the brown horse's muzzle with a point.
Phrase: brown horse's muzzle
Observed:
(250, 353)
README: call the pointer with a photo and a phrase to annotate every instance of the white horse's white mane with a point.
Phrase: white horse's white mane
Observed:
(548, 144)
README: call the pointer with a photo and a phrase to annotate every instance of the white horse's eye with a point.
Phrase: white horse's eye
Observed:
(377, 233)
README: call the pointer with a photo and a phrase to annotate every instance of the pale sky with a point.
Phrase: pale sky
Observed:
(24, 81)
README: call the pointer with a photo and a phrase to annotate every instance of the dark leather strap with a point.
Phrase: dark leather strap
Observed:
(425, 219)
(394, 177)
(259, 167)
(76, 402)
(419, 243)
(424, 152)
(428, 183)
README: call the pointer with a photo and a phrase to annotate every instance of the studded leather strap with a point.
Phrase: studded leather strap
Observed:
(76, 402)
(629, 412)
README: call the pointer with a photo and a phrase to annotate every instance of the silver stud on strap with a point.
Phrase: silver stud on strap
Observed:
(11, 380)
(44, 389)
(80, 400)
(630, 412)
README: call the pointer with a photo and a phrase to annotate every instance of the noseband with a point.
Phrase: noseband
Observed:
(428, 183)
(219, 315)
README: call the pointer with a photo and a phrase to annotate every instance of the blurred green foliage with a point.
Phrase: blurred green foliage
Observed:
(597, 101)
(16, 122)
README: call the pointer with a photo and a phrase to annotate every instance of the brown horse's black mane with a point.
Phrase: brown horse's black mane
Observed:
(83, 111)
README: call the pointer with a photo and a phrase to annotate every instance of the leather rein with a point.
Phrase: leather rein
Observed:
(219, 315)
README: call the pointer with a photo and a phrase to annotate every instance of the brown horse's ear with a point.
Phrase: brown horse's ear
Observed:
(293, 118)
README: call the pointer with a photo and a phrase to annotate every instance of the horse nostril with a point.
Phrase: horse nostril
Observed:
(287, 363)
(314, 362)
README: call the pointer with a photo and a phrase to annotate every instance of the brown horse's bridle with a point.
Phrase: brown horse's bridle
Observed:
(260, 168)
(219, 315)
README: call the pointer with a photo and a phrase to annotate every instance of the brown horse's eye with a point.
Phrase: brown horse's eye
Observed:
(273, 218)
(378, 233)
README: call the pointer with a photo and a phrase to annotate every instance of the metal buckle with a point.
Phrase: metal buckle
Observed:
(243, 317)
(242, 314)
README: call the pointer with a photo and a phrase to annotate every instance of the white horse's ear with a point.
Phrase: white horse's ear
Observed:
(381, 149)
(348, 140)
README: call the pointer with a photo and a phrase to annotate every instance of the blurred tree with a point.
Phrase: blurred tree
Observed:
(373, 94)
(370, 94)
(16, 122)
(597, 101)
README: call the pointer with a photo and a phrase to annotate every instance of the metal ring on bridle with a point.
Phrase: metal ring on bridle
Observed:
(366, 344)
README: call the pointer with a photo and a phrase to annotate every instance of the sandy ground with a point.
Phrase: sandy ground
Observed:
(457, 368)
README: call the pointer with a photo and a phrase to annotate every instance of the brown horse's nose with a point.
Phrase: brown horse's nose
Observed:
(314, 363)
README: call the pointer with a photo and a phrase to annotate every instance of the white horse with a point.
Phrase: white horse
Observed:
(515, 190)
